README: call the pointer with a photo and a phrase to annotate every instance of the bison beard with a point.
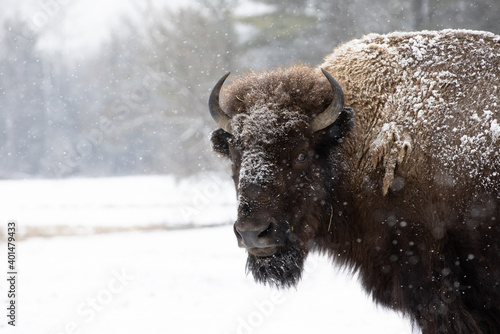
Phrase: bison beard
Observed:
(281, 270)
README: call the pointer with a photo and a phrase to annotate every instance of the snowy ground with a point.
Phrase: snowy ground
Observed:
(82, 206)
(161, 281)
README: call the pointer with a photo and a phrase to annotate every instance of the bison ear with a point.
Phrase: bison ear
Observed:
(334, 134)
(220, 142)
(341, 127)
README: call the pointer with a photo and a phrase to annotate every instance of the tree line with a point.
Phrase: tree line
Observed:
(139, 105)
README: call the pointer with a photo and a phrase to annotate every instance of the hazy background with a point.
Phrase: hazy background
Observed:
(108, 88)
(107, 173)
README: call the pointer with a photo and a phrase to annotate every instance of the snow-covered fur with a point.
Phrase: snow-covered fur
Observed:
(404, 188)
(433, 94)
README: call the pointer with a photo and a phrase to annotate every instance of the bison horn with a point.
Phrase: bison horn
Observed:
(219, 116)
(333, 111)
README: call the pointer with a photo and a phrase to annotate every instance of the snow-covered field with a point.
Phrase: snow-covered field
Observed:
(81, 206)
(160, 280)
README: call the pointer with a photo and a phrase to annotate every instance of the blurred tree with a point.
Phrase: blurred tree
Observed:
(306, 31)
(22, 102)
(418, 13)
(157, 118)
(190, 49)
(139, 105)
(479, 14)
(275, 32)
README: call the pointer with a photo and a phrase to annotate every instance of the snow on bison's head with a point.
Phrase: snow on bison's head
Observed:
(279, 129)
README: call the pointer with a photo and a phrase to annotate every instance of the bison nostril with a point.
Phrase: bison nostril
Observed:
(265, 231)
(253, 237)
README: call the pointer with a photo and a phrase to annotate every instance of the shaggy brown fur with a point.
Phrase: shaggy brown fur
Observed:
(296, 89)
(403, 188)
(432, 92)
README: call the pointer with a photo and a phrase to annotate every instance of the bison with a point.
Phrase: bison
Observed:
(386, 158)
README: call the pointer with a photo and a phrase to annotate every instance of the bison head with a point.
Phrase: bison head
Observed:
(280, 130)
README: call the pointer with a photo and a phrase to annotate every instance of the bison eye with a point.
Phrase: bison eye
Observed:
(301, 157)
